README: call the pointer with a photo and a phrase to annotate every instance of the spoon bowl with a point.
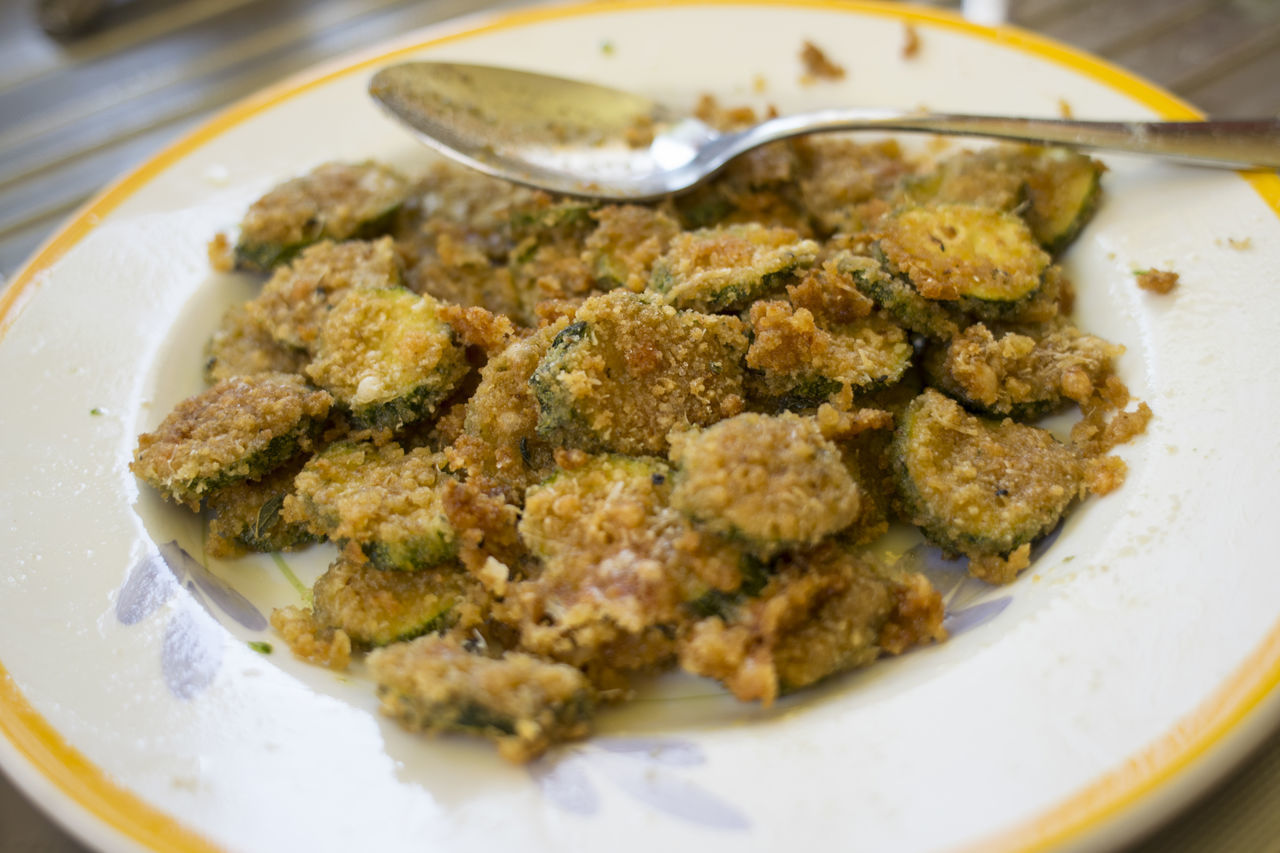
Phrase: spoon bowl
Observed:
(583, 139)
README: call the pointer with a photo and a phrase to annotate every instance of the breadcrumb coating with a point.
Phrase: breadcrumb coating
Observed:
(297, 298)
(334, 201)
(1024, 375)
(376, 608)
(771, 482)
(524, 704)
(388, 356)
(384, 499)
(240, 428)
(724, 269)
(243, 346)
(562, 445)
(821, 613)
(982, 488)
(311, 641)
(629, 369)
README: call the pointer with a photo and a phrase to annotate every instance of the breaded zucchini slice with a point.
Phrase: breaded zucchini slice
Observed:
(597, 483)
(985, 260)
(500, 439)
(241, 346)
(821, 612)
(979, 487)
(727, 268)
(377, 608)
(523, 703)
(627, 240)
(895, 295)
(241, 428)
(614, 550)
(629, 369)
(1056, 190)
(798, 364)
(295, 301)
(383, 499)
(773, 483)
(845, 184)
(1063, 188)
(246, 515)
(1019, 375)
(334, 201)
(547, 217)
(546, 259)
(387, 357)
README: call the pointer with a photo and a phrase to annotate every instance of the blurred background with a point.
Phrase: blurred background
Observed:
(89, 89)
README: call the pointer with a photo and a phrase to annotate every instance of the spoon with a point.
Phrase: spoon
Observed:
(582, 139)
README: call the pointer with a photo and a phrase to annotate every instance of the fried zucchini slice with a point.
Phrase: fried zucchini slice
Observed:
(377, 608)
(727, 268)
(627, 240)
(241, 346)
(822, 612)
(295, 301)
(334, 201)
(1063, 188)
(387, 357)
(845, 185)
(241, 428)
(246, 516)
(989, 177)
(901, 301)
(614, 550)
(1020, 375)
(383, 499)
(979, 487)
(629, 369)
(1056, 190)
(522, 703)
(799, 364)
(773, 483)
(500, 439)
(985, 258)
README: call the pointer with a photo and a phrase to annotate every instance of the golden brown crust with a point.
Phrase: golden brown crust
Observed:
(630, 369)
(773, 483)
(1157, 281)
(333, 201)
(296, 299)
(311, 641)
(241, 427)
(821, 613)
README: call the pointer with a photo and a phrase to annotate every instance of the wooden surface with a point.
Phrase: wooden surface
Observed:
(76, 112)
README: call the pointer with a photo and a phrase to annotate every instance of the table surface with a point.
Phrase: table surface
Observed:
(77, 111)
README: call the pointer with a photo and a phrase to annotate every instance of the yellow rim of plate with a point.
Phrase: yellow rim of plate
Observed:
(1086, 810)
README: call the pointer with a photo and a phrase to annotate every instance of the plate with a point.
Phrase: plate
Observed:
(1122, 674)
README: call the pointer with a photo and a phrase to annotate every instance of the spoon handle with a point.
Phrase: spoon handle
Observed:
(1239, 144)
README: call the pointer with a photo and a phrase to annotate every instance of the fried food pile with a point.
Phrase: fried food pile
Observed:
(558, 444)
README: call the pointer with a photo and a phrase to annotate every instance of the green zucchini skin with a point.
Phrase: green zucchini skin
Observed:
(980, 487)
(936, 268)
(696, 272)
(1055, 190)
(335, 201)
(404, 530)
(203, 445)
(387, 357)
(377, 608)
(435, 684)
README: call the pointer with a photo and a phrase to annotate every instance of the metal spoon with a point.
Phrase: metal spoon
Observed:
(582, 139)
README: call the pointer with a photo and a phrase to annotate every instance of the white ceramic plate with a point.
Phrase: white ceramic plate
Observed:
(1125, 671)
